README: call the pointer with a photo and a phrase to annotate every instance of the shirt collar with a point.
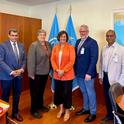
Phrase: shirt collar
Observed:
(13, 42)
(113, 45)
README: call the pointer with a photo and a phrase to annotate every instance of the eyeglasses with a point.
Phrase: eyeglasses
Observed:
(82, 31)
(109, 35)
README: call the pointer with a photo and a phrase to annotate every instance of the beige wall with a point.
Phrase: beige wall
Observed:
(97, 14)
(13, 8)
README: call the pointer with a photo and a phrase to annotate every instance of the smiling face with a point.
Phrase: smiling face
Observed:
(84, 31)
(63, 38)
(13, 36)
(110, 37)
(41, 36)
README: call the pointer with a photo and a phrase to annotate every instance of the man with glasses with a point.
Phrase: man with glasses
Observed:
(85, 70)
(12, 65)
(111, 69)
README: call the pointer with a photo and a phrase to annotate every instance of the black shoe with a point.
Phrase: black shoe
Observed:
(90, 118)
(44, 109)
(82, 112)
(106, 118)
(36, 115)
(18, 117)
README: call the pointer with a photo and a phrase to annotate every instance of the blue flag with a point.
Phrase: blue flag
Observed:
(71, 31)
(54, 32)
(72, 40)
(53, 41)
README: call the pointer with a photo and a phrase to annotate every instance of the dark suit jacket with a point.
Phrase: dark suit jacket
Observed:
(86, 61)
(8, 61)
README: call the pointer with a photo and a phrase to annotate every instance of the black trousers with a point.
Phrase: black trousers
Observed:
(63, 93)
(106, 87)
(37, 88)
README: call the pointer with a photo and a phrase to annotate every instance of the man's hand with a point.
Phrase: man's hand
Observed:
(17, 72)
(14, 73)
(87, 77)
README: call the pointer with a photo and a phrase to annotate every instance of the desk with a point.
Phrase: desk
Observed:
(3, 114)
(120, 101)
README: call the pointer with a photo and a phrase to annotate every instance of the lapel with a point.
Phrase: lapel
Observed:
(10, 49)
(83, 45)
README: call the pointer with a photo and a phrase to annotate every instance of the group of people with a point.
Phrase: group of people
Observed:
(67, 63)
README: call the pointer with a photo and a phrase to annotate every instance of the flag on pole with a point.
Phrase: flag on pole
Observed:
(54, 32)
(72, 40)
(53, 41)
(71, 31)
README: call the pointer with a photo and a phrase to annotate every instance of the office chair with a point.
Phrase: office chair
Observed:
(115, 91)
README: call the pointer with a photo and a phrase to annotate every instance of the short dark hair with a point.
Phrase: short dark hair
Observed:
(12, 30)
(61, 33)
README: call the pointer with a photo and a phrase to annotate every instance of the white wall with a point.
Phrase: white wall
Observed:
(13, 8)
(97, 14)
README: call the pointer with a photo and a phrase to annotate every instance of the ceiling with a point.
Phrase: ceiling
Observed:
(32, 2)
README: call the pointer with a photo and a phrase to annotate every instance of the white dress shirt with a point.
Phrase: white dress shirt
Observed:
(107, 56)
(16, 46)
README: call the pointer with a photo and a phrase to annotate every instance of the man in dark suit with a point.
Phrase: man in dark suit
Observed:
(12, 65)
(85, 70)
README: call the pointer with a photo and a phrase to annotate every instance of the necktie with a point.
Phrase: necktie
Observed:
(16, 52)
(79, 45)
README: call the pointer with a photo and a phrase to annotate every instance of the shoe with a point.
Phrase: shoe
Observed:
(106, 118)
(18, 117)
(66, 117)
(36, 115)
(90, 118)
(59, 114)
(82, 112)
(44, 109)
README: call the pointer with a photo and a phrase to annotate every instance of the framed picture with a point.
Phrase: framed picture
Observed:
(118, 18)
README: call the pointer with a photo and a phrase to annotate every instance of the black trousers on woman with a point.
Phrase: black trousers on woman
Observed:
(37, 88)
(63, 93)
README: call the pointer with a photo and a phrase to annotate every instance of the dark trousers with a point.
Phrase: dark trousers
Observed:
(106, 87)
(6, 85)
(63, 93)
(37, 88)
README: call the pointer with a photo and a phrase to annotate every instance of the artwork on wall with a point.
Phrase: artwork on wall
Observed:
(119, 26)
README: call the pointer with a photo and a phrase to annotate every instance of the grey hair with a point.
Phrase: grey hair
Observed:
(85, 26)
(41, 31)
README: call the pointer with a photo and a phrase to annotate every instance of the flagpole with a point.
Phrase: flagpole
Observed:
(52, 105)
(70, 9)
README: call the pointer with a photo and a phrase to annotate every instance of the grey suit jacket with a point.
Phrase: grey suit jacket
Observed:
(38, 60)
(115, 66)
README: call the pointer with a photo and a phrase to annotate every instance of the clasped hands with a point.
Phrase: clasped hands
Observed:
(17, 72)
(60, 72)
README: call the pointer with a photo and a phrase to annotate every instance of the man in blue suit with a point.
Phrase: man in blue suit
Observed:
(85, 70)
(12, 65)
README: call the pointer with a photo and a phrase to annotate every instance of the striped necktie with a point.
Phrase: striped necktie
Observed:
(16, 52)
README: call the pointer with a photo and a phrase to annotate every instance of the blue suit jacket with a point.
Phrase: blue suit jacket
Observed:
(86, 61)
(8, 61)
